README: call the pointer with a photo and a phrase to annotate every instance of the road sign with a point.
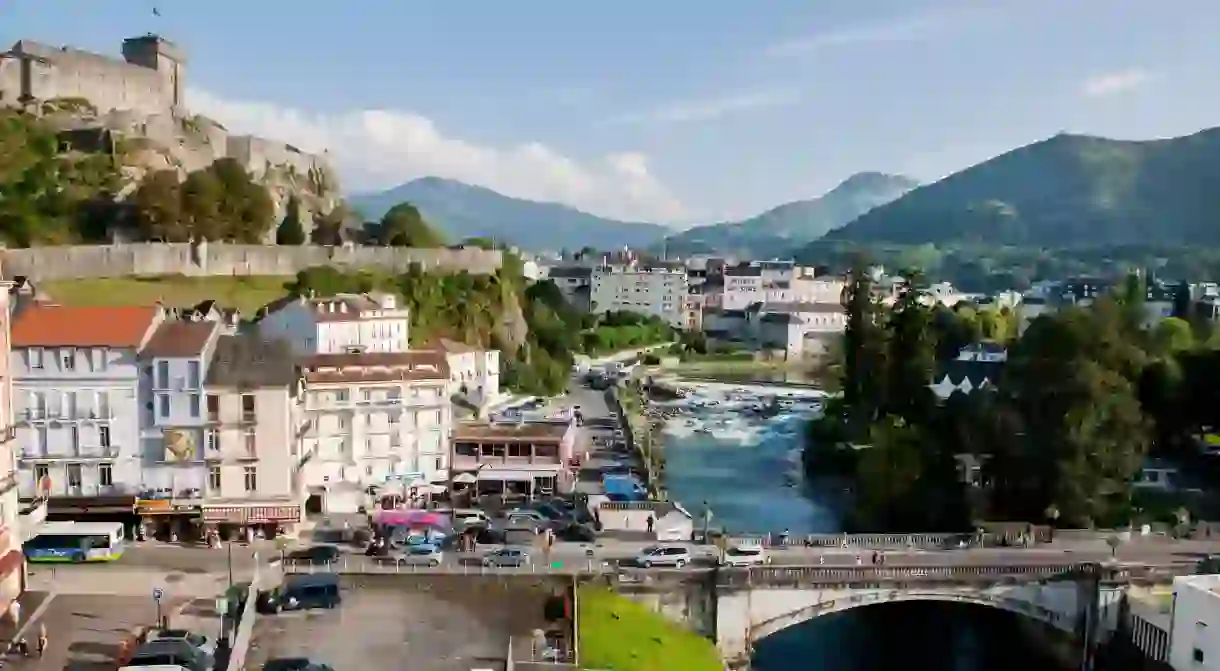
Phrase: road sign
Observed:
(158, 593)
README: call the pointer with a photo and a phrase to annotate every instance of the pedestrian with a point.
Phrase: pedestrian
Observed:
(651, 522)
(14, 613)
(42, 638)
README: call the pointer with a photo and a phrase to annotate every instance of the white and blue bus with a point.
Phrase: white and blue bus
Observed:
(76, 542)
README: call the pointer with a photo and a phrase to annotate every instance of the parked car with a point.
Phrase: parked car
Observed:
(577, 533)
(466, 517)
(171, 653)
(745, 555)
(295, 664)
(534, 515)
(507, 557)
(300, 592)
(663, 555)
(200, 641)
(423, 555)
(317, 555)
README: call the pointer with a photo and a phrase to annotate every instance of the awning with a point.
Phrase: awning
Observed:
(511, 475)
(11, 561)
(465, 478)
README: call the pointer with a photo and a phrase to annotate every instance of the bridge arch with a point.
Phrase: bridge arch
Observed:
(835, 601)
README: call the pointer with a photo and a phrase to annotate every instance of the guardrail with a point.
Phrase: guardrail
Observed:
(758, 576)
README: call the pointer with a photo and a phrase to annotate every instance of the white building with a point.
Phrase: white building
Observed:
(75, 393)
(12, 517)
(474, 373)
(773, 282)
(339, 324)
(1194, 642)
(659, 290)
(379, 422)
(254, 450)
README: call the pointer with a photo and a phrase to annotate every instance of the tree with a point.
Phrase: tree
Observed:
(863, 349)
(291, 232)
(328, 228)
(158, 202)
(403, 226)
(1171, 335)
(911, 354)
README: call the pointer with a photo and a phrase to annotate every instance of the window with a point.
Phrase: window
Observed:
(74, 477)
(250, 439)
(68, 358)
(74, 438)
(1198, 656)
(247, 407)
(162, 375)
(251, 479)
(214, 478)
(440, 463)
(194, 405)
(210, 440)
(100, 358)
(35, 358)
(163, 403)
(42, 473)
(103, 436)
(213, 407)
(192, 374)
(42, 440)
(105, 475)
(103, 404)
(70, 404)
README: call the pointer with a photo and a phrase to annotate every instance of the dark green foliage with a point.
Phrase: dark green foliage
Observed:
(291, 230)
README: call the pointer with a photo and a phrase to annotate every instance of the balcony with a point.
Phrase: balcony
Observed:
(93, 490)
(38, 416)
(79, 453)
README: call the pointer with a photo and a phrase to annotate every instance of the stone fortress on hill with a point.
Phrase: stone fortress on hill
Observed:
(94, 100)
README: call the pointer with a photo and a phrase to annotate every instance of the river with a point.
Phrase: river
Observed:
(754, 486)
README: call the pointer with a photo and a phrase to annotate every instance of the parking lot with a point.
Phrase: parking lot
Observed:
(441, 623)
(84, 632)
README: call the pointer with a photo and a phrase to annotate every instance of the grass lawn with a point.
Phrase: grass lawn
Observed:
(245, 293)
(618, 634)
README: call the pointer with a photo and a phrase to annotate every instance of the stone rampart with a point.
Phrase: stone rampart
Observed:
(214, 259)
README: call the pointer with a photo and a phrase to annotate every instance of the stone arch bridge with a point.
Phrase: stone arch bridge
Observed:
(1080, 599)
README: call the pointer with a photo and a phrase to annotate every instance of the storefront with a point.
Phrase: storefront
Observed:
(232, 521)
(167, 519)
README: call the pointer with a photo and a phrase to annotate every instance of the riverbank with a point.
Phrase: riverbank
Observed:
(618, 633)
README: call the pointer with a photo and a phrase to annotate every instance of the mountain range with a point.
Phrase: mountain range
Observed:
(464, 211)
(1067, 190)
(778, 230)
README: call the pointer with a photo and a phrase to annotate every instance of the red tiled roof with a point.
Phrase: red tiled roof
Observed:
(70, 326)
(179, 339)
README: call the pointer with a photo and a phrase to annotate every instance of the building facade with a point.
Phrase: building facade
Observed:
(339, 324)
(1193, 642)
(380, 423)
(175, 434)
(658, 290)
(474, 373)
(76, 384)
(255, 454)
(514, 458)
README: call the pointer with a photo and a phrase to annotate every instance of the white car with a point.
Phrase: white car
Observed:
(422, 555)
(198, 641)
(663, 555)
(742, 556)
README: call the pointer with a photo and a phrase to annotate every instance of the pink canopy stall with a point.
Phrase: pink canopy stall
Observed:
(415, 519)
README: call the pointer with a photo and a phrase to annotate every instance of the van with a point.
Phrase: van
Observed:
(301, 592)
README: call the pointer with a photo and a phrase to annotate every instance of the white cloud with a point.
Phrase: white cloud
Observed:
(374, 149)
(1112, 83)
(710, 108)
(911, 28)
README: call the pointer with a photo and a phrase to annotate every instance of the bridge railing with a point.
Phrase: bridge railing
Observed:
(807, 575)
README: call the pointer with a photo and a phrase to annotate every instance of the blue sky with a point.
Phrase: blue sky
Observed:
(676, 111)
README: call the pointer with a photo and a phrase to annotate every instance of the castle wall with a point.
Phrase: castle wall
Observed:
(88, 261)
(107, 83)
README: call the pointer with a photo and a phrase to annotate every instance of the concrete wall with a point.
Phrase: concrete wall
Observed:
(89, 261)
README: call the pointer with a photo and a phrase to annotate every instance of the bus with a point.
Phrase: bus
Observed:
(76, 542)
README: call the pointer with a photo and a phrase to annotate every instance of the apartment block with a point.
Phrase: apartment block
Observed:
(659, 290)
(474, 372)
(514, 459)
(76, 389)
(15, 519)
(380, 423)
(339, 324)
(255, 424)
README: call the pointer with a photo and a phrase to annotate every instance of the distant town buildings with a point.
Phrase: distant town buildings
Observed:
(654, 289)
